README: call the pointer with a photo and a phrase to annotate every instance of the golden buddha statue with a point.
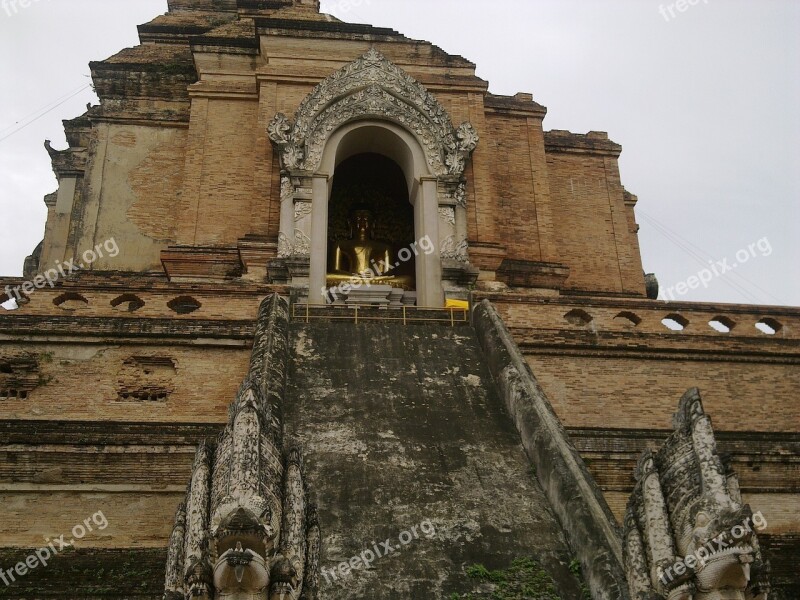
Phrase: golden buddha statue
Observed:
(363, 259)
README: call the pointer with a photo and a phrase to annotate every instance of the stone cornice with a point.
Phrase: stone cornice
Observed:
(273, 25)
(594, 143)
(103, 330)
(599, 300)
(519, 105)
(91, 433)
(560, 345)
(623, 440)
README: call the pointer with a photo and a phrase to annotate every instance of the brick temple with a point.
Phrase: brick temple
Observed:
(307, 285)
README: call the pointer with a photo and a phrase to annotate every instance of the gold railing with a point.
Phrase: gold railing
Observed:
(359, 313)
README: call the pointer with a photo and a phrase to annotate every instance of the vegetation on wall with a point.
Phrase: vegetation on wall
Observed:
(525, 579)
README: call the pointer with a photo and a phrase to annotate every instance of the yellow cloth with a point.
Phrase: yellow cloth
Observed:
(457, 304)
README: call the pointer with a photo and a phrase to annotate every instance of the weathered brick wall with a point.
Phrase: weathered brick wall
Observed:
(151, 300)
(512, 186)
(533, 317)
(615, 383)
(134, 177)
(209, 177)
(588, 214)
(56, 474)
(87, 382)
(89, 574)
(137, 518)
(224, 175)
(640, 393)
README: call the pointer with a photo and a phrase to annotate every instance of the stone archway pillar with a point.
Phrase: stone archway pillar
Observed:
(461, 224)
(286, 235)
(319, 239)
(429, 265)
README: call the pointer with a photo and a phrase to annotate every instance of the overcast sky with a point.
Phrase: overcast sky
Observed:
(704, 102)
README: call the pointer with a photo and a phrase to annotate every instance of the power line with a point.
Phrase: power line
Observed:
(703, 258)
(48, 108)
(44, 107)
(699, 259)
(709, 257)
(37, 111)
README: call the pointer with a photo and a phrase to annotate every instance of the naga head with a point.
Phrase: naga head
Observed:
(198, 582)
(240, 574)
(719, 538)
(286, 580)
(246, 502)
(688, 535)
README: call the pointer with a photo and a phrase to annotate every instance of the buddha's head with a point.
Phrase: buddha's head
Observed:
(361, 222)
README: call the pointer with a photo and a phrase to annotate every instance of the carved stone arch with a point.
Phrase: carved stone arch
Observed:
(372, 92)
(372, 87)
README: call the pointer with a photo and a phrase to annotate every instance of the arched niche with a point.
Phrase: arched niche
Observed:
(372, 106)
(376, 137)
(397, 144)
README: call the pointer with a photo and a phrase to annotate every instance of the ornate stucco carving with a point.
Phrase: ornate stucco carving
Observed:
(461, 195)
(372, 87)
(174, 585)
(453, 193)
(197, 563)
(302, 244)
(301, 211)
(285, 246)
(299, 246)
(287, 189)
(453, 250)
(453, 245)
(448, 215)
(687, 535)
(247, 530)
(302, 226)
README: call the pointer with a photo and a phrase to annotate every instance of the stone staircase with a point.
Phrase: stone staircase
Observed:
(402, 429)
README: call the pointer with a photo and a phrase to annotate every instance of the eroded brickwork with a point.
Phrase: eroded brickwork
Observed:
(109, 380)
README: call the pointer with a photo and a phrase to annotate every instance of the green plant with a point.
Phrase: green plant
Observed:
(575, 569)
(523, 580)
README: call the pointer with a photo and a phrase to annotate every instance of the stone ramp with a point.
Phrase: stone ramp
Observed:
(402, 428)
